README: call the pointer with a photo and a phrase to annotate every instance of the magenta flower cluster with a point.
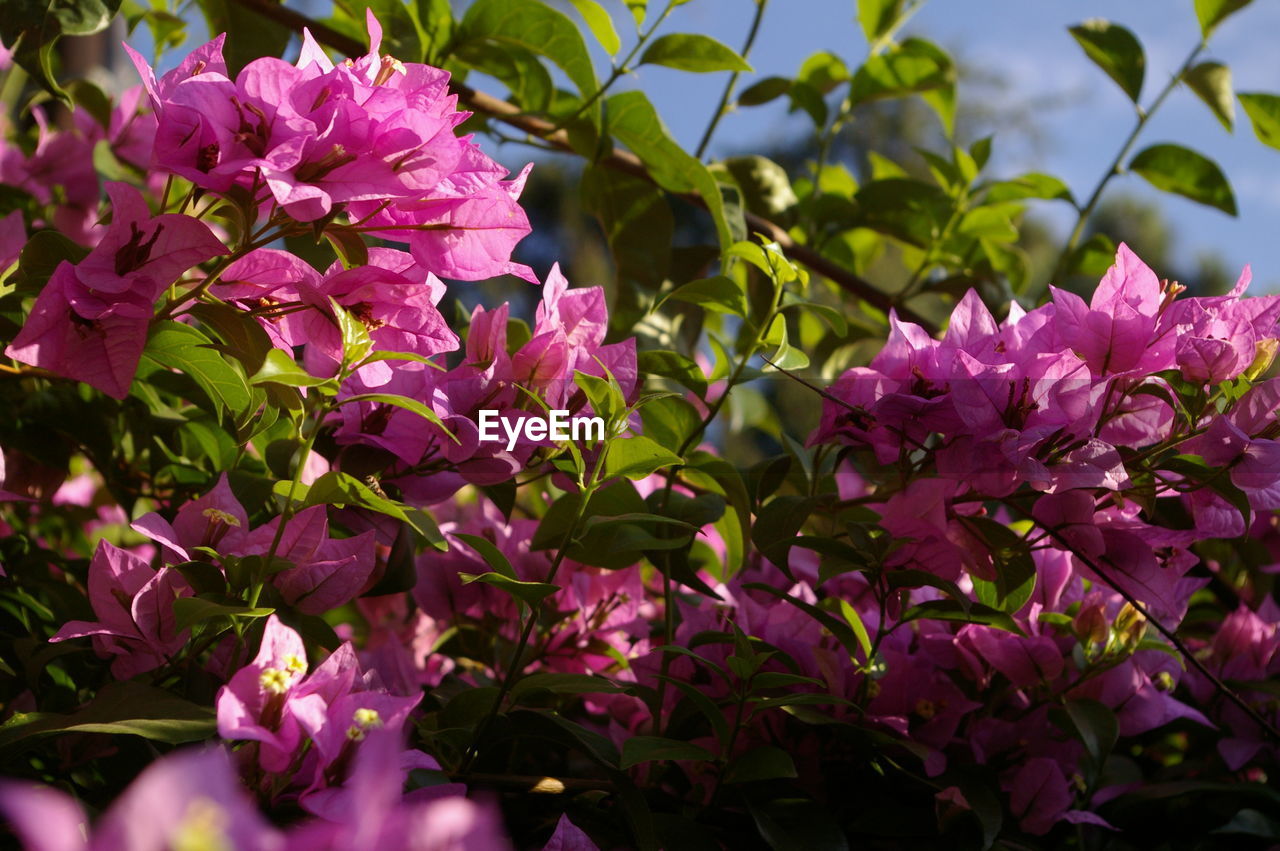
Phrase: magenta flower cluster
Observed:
(1005, 561)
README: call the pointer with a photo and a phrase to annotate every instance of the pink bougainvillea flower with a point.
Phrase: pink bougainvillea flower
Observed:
(326, 572)
(90, 321)
(134, 606)
(1116, 332)
(216, 520)
(143, 254)
(372, 811)
(255, 703)
(86, 339)
(189, 798)
(400, 315)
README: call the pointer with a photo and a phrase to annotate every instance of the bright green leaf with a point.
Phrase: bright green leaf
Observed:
(693, 52)
(1264, 113)
(1213, 12)
(637, 457)
(600, 23)
(1211, 81)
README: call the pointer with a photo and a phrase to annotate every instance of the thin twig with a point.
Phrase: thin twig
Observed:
(723, 106)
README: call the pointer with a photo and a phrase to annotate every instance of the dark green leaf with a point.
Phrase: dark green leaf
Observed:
(675, 366)
(1184, 172)
(763, 763)
(768, 89)
(188, 611)
(120, 708)
(638, 749)
(1115, 50)
(950, 610)
(531, 593)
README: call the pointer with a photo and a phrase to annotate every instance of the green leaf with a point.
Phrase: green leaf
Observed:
(1030, 185)
(529, 83)
(32, 28)
(913, 67)
(339, 488)
(250, 35)
(565, 684)
(188, 611)
(634, 122)
(600, 23)
(491, 554)
(767, 762)
(637, 8)
(352, 250)
(640, 227)
(720, 294)
(670, 421)
(534, 26)
(637, 457)
(1211, 81)
(1264, 114)
(638, 749)
(1184, 172)
(531, 593)
(120, 708)
(951, 610)
(777, 525)
(177, 346)
(675, 366)
(764, 91)
(877, 17)
(356, 342)
(693, 52)
(1115, 50)
(241, 335)
(1096, 726)
(1015, 571)
(797, 824)
(279, 368)
(1212, 12)
(402, 402)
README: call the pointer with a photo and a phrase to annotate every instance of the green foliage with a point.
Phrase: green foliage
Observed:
(1264, 113)
(1115, 50)
(1211, 81)
(692, 52)
(1184, 172)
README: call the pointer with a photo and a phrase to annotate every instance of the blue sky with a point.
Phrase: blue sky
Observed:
(1029, 42)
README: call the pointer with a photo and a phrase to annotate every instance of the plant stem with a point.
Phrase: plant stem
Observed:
(1144, 115)
(515, 668)
(723, 106)
(620, 68)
